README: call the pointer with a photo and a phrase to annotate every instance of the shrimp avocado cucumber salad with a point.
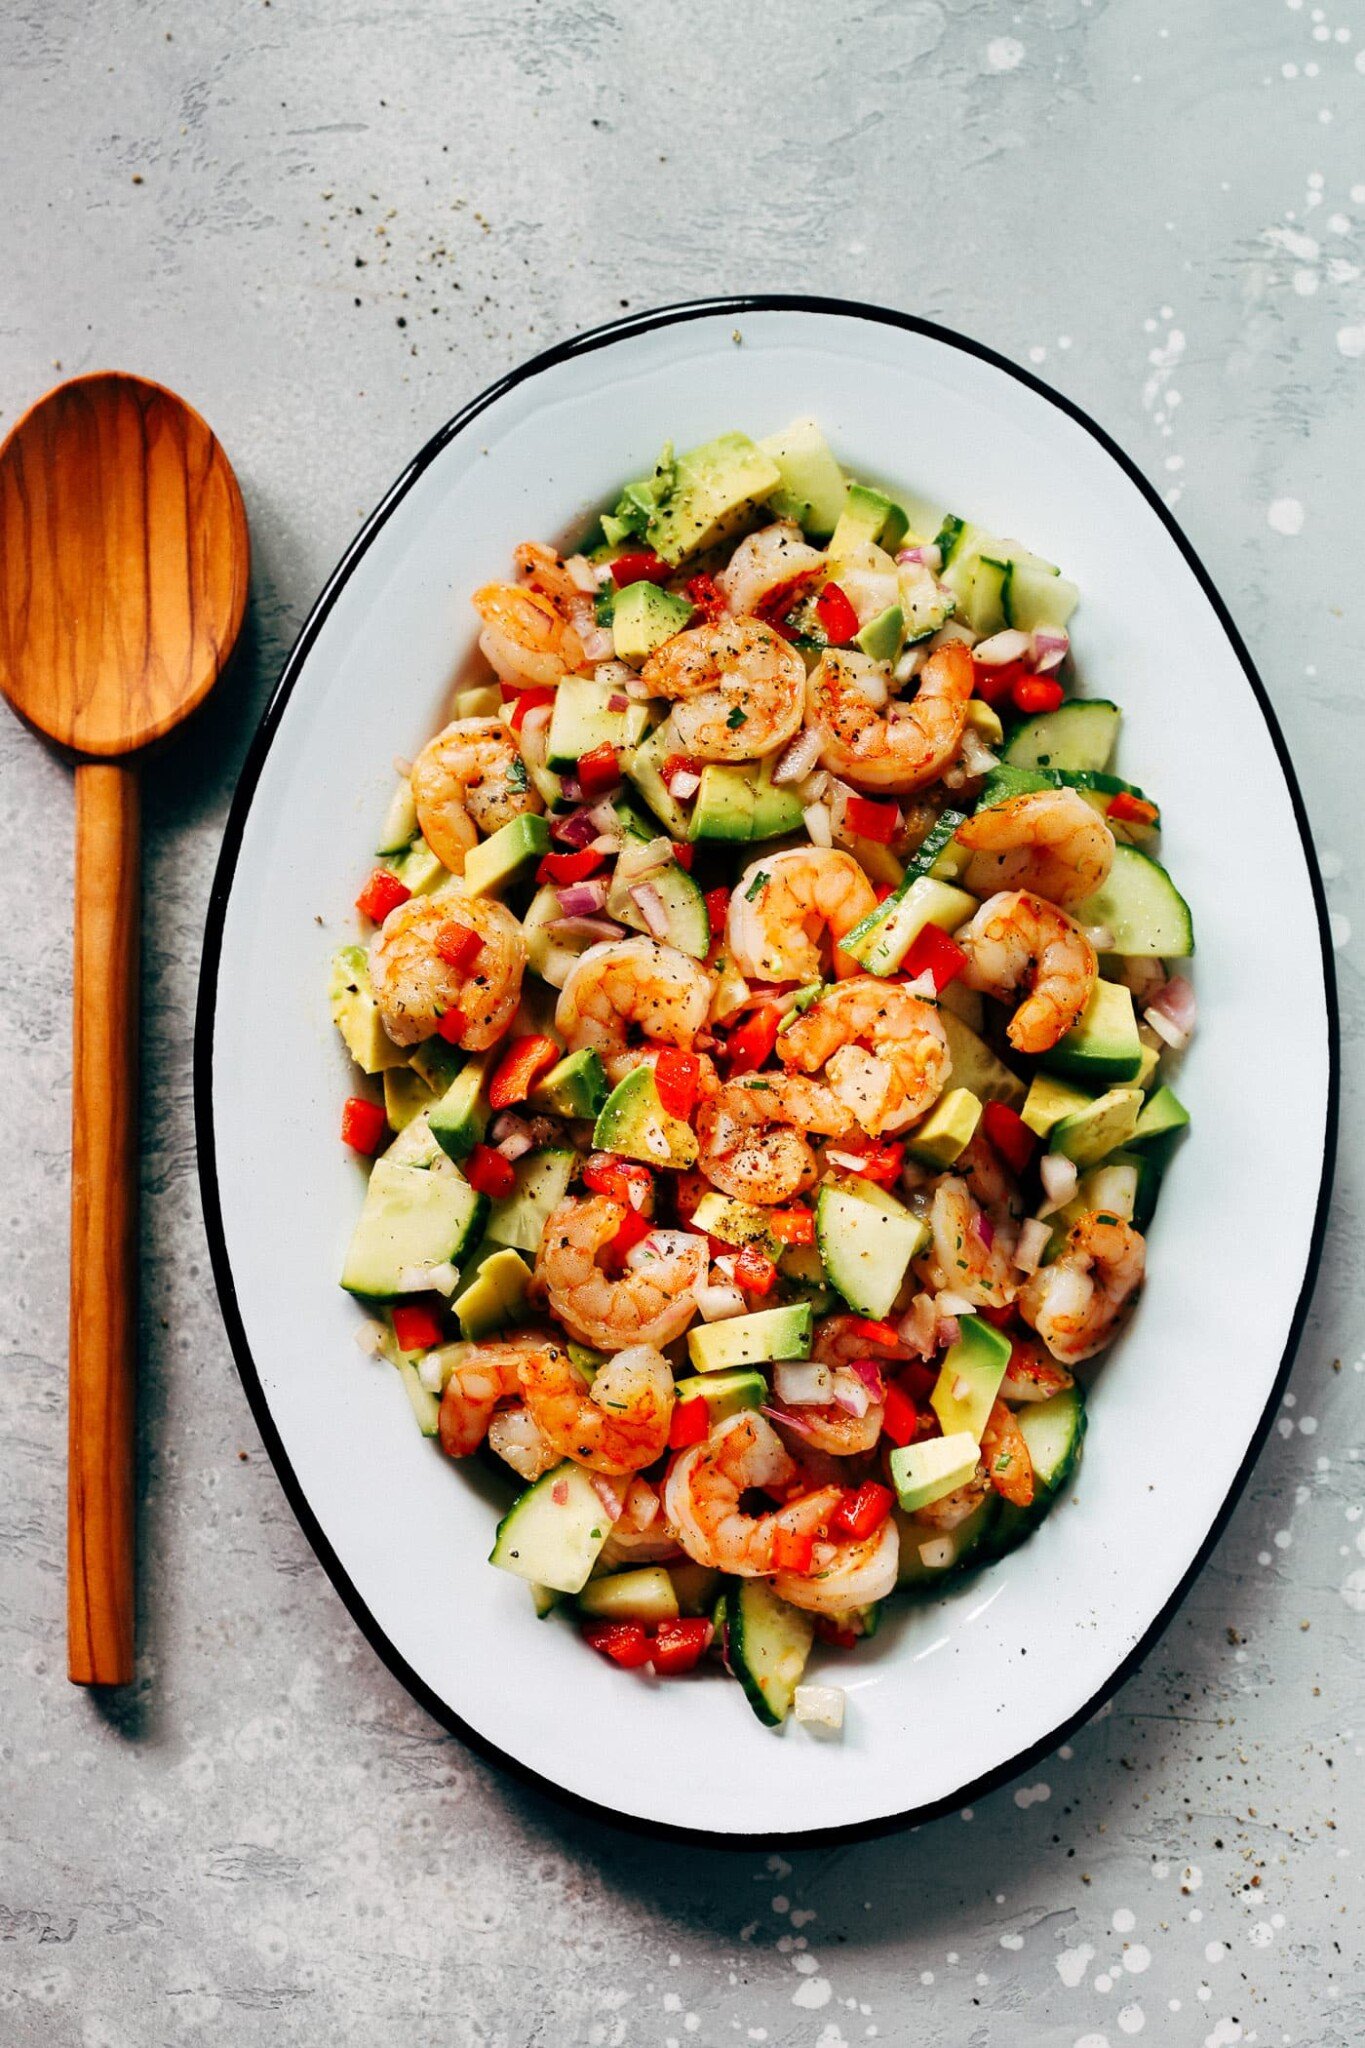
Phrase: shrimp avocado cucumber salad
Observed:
(766, 1009)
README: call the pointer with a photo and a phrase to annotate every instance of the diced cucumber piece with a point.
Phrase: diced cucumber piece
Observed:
(1148, 1167)
(1006, 782)
(1078, 734)
(418, 868)
(547, 954)
(813, 487)
(767, 1644)
(695, 1586)
(581, 720)
(936, 854)
(553, 1532)
(1039, 596)
(519, 1219)
(646, 1595)
(689, 928)
(406, 1095)
(928, 1555)
(1054, 1431)
(867, 1240)
(987, 603)
(644, 767)
(1140, 907)
(400, 821)
(413, 1218)
(544, 1599)
(975, 1066)
(884, 937)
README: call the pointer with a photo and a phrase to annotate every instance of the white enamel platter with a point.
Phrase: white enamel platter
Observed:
(956, 1696)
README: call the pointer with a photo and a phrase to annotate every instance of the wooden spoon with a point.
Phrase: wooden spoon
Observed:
(123, 576)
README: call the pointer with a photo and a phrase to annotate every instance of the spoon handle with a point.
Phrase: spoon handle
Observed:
(103, 1336)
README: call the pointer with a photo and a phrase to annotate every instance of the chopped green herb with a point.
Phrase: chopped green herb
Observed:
(759, 882)
(737, 718)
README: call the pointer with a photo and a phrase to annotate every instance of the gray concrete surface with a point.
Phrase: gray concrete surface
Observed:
(329, 225)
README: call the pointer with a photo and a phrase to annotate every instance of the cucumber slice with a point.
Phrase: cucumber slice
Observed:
(644, 767)
(413, 1218)
(928, 1555)
(883, 938)
(645, 1595)
(1077, 735)
(400, 821)
(548, 955)
(1141, 908)
(1053, 1431)
(580, 721)
(1039, 596)
(767, 1645)
(867, 1240)
(553, 1532)
(689, 928)
(519, 1219)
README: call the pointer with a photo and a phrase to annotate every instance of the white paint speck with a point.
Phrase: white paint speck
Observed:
(1285, 515)
(1132, 2019)
(1305, 283)
(1093, 2041)
(1261, 1935)
(1012, 1941)
(1353, 1592)
(813, 1993)
(1124, 1920)
(1191, 1877)
(1004, 53)
(1214, 1951)
(1351, 340)
(1225, 2031)
(1033, 1795)
(1136, 1959)
(1104, 1982)
(1072, 1963)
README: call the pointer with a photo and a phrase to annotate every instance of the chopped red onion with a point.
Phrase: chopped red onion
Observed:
(1011, 645)
(516, 1146)
(984, 1228)
(718, 1303)
(951, 1304)
(577, 829)
(797, 760)
(643, 857)
(1050, 648)
(651, 907)
(638, 689)
(805, 1385)
(369, 1335)
(948, 1332)
(583, 899)
(590, 928)
(616, 702)
(927, 554)
(536, 720)
(606, 817)
(507, 1124)
(1033, 1242)
(924, 986)
(849, 1393)
(870, 1373)
(1173, 1012)
(818, 824)
(795, 1423)
(918, 1327)
(597, 644)
(607, 1494)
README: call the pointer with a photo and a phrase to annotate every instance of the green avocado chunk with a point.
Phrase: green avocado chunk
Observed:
(644, 617)
(634, 1122)
(716, 488)
(576, 1087)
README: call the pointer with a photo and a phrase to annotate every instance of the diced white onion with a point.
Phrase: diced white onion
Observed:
(369, 1336)
(1100, 937)
(1169, 1033)
(643, 857)
(910, 664)
(847, 1162)
(977, 757)
(431, 1372)
(638, 689)
(684, 784)
(799, 758)
(949, 1304)
(590, 928)
(805, 1385)
(717, 1303)
(918, 1327)
(849, 1393)
(1002, 647)
(927, 554)
(1033, 1241)
(606, 817)
(582, 574)
(924, 986)
(819, 1706)
(1058, 1175)
(536, 721)
(818, 825)
(445, 1278)
(938, 1553)
(516, 1145)
(871, 684)
(597, 643)
(1173, 1010)
(618, 675)
(814, 787)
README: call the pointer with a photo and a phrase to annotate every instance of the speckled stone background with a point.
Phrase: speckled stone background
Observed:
(329, 225)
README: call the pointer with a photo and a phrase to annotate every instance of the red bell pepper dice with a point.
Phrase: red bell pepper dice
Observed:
(608, 1175)
(569, 867)
(634, 1225)
(793, 1550)
(676, 1076)
(705, 596)
(528, 700)
(488, 1173)
(1001, 1317)
(680, 1646)
(416, 1328)
(381, 894)
(792, 1226)
(684, 853)
(754, 1040)
(754, 1271)
(717, 910)
(688, 1424)
(881, 1164)
(863, 1510)
(451, 1026)
(836, 614)
(883, 1336)
(459, 945)
(644, 567)
(1032, 694)
(1132, 810)
(1006, 1130)
(933, 952)
(900, 1417)
(520, 1067)
(599, 771)
(363, 1125)
(872, 820)
(625, 1642)
(992, 683)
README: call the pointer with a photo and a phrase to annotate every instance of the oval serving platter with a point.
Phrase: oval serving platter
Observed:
(956, 1695)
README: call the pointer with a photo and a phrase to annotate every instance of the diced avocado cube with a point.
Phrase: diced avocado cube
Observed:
(1163, 1112)
(970, 1377)
(585, 1358)
(1049, 1100)
(406, 1095)
(735, 1223)
(715, 490)
(644, 616)
(881, 637)
(634, 1122)
(724, 1393)
(984, 720)
(460, 1118)
(813, 487)
(418, 868)
(437, 1063)
(414, 1218)
(867, 1240)
(1151, 1060)
(1103, 1045)
(503, 856)
(769, 1335)
(644, 766)
(724, 807)
(582, 720)
(356, 1013)
(975, 1066)
(884, 937)
(695, 1586)
(863, 519)
(495, 1298)
(400, 822)
(483, 700)
(947, 1130)
(924, 1472)
(577, 1087)
(1101, 1127)
(519, 1219)
(645, 1595)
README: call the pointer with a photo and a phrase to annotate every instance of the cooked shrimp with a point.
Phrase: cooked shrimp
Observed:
(773, 560)
(1032, 1374)
(752, 1135)
(533, 632)
(652, 1302)
(480, 1379)
(1077, 1303)
(883, 1051)
(738, 689)
(784, 906)
(1016, 940)
(845, 1575)
(890, 746)
(416, 985)
(1005, 1455)
(641, 1536)
(632, 986)
(972, 1255)
(469, 779)
(514, 1437)
(1051, 842)
(954, 1508)
(706, 1484)
(619, 1423)
(839, 1342)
